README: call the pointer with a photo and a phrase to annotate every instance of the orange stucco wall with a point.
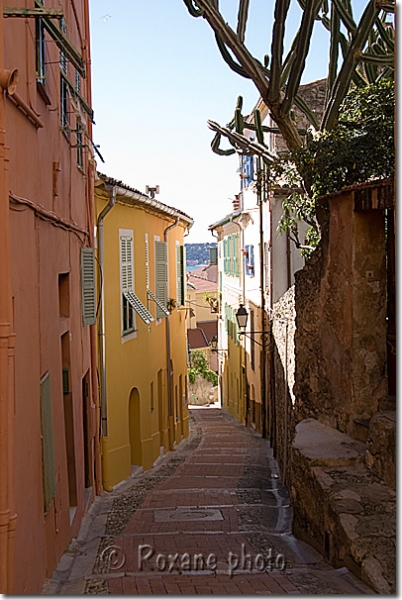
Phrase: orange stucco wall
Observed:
(48, 192)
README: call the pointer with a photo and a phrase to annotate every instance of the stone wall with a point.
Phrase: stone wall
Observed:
(313, 94)
(283, 371)
(340, 339)
(201, 392)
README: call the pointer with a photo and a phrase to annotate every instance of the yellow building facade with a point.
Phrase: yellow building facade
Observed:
(142, 348)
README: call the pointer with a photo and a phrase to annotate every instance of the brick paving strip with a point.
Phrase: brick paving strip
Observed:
(213, 517)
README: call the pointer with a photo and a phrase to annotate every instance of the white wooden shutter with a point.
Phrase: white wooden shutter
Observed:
(126, 263)
(161, 276)
(88, 291)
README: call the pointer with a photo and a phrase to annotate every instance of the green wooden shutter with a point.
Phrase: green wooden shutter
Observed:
(237, 270)
(48, 461)
(180, 276)
(213, 255)
(234, 262)
(88, 293)
(161, 275)
(147, 262)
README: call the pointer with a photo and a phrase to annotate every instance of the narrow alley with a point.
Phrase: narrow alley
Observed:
(211, 517)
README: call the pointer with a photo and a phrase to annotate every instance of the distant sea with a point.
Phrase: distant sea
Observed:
(194, 267)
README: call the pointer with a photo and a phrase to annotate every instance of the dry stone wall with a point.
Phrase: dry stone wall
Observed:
(340, 339)
(282, 396)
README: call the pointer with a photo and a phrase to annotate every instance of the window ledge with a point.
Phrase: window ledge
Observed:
(43, 92)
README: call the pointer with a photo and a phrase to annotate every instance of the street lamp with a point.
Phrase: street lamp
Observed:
(214, 346)
(242, 318)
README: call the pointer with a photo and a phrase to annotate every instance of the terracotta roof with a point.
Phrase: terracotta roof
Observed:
(202, 285)
(209, 272)
(130, 192)
(210, 328)
(196, 339)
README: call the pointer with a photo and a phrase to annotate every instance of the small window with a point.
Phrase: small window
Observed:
(64, 295)
(80, 153)
(127, 282)
(250, 266)
(40, 51)
(63, 84)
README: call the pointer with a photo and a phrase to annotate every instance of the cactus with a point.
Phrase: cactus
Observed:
(258, 126)
(363, 54)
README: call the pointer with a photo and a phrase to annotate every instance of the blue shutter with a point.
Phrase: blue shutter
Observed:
(252, 260)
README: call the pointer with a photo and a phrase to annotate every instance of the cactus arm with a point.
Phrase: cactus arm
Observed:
(333, 49)
(281, 10)
(345, 74)
(303, 45)
(345, 16)
(258, 126)
(242, 19)
(242, 142)
(248, 63)
(387, 39)
(310, 114)
(193, 10)
(215, 147)
(228, 58)
(239, 121)
(377, 59)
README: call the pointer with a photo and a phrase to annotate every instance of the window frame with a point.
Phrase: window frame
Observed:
(128, 315)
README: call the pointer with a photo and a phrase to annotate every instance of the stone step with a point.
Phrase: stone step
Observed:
(340, 506)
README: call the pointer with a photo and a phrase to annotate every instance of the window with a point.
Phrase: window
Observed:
(180, 274)
(161, 274)
(131, 304)
(63, 83)
(80, 153)
(127, 282)
(48, 461)
(213, 255)
(250, 266)
(247, 169)
(40, 51)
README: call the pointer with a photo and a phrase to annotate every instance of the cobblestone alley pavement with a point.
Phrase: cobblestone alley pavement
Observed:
(212, 517)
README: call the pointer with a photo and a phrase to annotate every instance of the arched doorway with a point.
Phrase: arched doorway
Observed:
(134, 420)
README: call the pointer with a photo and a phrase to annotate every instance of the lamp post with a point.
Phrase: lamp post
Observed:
(242, 318)
(214, 346)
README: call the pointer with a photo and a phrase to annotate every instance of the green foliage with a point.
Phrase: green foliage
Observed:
(360, 148)
(199, 366)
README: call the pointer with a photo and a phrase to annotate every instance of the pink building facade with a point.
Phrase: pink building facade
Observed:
(49, 465)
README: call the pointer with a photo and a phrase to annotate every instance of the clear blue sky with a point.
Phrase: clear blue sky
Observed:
(157, 77)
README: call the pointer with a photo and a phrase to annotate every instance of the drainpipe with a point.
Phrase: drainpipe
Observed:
(263, 352)
(102, 339)
(271, 304)
(168, 354)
